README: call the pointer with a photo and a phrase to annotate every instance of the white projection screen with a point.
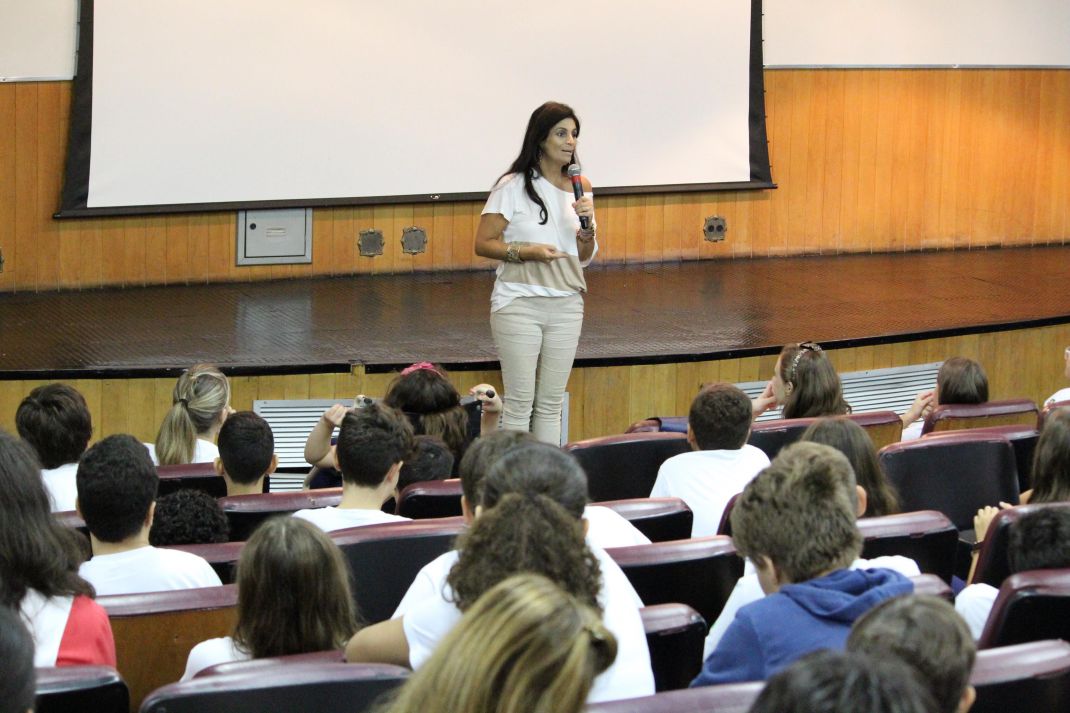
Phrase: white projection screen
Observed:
(216, 104)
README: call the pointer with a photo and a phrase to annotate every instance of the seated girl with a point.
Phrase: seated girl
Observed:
(804, 383)
(849, 438)
(959, 381)
(200, 403)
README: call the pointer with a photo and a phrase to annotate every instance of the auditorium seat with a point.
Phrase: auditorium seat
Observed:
(246, 512)
(956, 474)
(771, 436)
(993, 565)
(725, 526)
(1031, 606)
(71, 689)
(932, 586)
(729, 698)
(664, 424)
(660, 519)
(154, 632)
(1022, 438)
(223, 556)
(625, 466)
(196, 476)
(1009, 412)
(384, 559)
(332, 656)
(675, 634)
(316, 687)
(71, 518)
(926, 536)
(699, 572)
(1033, 676)
(432, 498)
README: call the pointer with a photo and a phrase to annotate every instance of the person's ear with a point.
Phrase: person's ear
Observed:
(274, 464)
(967, 700)
(150, 515)
(863, 501)
(218, 464)
(78, 508)
(466, 511)
(691, 438)
(586, 526)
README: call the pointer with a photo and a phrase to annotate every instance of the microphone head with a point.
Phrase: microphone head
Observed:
(574, 171)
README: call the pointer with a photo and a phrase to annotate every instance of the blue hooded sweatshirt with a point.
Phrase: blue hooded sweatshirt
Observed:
(769, 634)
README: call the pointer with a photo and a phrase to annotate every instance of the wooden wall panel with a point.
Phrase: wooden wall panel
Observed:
(866, 160)
(603, 400)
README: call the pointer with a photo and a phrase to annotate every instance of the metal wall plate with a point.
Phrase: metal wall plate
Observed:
(715, 228)
(275, 237)
(413, 240)
(371, 243)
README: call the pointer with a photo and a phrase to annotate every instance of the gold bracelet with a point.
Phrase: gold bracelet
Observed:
(585, 235)
(512, 254)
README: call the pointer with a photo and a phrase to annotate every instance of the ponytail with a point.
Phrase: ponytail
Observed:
(199, 399)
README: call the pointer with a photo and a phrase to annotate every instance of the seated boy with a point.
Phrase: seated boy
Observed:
(117, 485)
(373, 442)
(796, 522)
(721, 462)
(1039, 540)
(926, 634)
(246, 453)
(55, 421)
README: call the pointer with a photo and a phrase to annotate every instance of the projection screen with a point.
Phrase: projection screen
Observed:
(218, 104)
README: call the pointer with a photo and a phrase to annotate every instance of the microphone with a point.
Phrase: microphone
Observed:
(577, 190)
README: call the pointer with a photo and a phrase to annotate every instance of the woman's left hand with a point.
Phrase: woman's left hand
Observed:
(584, 208)
(488, 395)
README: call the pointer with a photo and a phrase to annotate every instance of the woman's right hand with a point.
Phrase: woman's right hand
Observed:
(541, 253)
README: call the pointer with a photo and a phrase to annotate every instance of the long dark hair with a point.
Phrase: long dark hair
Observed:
(849, 438)
(36, 552)
(1051, 462)
(815, 388)
(541, 121)
(433, 405)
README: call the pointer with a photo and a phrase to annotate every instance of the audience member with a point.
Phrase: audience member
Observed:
(525, 646)
(188, 517)
(117, 485)
(55, 421)
(528, 519)
(804, 383)
(293, 598)
(39, 561)
(720, 462)
(849, 438)
(431, 459)
(17, 677)
(200, 404)
(246, 453)
(1061, 394)
(372, 444)
(925, 633)
(832, 682)
(1039, 540)
(796, 522)
(958, 381)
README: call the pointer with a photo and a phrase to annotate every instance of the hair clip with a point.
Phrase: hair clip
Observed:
(803, 348)
(184, 402)
(418, 366)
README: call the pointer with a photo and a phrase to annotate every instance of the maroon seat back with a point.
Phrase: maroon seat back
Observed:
(1008, 412)
(223, 556)
(246, 512)
(771, 436)
(332, 656)
(196, 476)
(1022, 438)
(625, 466)
(385, 559)
(725, 527)
(307, 687)
(660, 519)
(1055, 405)
(1031, 606)
(956, 474)
(675, 635)
(927, 537)
(1033, 676)
(699, 572)
(65, 689)
(933, 586)
(993, 564)
(433, 498)
(728, 698)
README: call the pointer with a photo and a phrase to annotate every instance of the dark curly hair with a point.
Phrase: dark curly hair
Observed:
(117, 485)
(188, 517)
(525, 533)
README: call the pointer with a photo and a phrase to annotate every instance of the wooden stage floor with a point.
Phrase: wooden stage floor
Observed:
(634, 314)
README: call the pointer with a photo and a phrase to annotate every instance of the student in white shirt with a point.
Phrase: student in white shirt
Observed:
(373, 442)
(1061, 394)
(959, 381)
(721, 462)
(529, 519)
(117, 485)
(200, 403)
(54, 419)
(246, 453)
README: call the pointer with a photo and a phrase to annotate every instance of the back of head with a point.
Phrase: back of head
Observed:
(246, 446)
(18, 681)
(849, 438)
(961, 381)
(811, 383)
(198, 403)
(188, 517)
(832, 682)
(371, 441)
(483, 454)
(36, 552)
(430, 459)
(926, 633)
(1051, 461)
(117, 484)
(525, 646)
(425, 394)
(293, 591)
(799, 512)
(55, 420)
(1040, 540)
(720, 418)
(537, 468)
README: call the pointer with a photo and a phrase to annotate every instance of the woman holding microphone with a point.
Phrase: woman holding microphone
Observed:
(544, 237)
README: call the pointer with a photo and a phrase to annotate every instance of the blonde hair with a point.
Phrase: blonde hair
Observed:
(199, 398)
(524, 647)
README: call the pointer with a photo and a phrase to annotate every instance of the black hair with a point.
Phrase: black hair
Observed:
(246, 446)
(55, 420)
(188, 517)
(370, 441)
(430, 459)
(117, 484)
(537, 469)
(483, 454)
(1040, 540)
(18, 684)
(720, 418)
(543, 119)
